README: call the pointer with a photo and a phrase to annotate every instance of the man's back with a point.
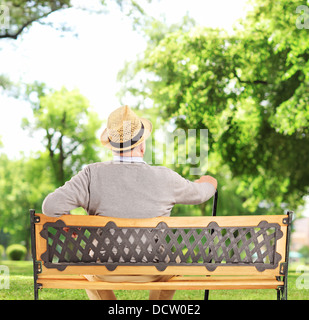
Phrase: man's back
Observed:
(126, 190)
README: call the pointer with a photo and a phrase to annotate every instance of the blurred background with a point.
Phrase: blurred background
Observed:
(237, 68)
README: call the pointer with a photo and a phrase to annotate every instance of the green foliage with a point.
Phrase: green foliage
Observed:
(5, 83)
(16, 252)
(69, 127)
(304, 251)
(249, 89)
(2, 250)
(23, 185)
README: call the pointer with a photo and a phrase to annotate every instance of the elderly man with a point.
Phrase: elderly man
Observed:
(127, 187)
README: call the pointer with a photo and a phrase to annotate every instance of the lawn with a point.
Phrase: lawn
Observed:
(21, 288)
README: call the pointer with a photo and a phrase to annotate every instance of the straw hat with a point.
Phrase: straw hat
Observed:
(125, 130)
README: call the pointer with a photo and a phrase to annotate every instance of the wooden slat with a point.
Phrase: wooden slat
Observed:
(220, 278)
(188, 222)
(151, 270)
(173, 279)
(170, 285)
(62, 277)
(41, 243)
(281, 243)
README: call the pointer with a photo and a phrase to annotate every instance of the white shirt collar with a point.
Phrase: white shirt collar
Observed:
(128, 159)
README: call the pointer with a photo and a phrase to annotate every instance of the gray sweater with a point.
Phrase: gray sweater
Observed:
(125, 190)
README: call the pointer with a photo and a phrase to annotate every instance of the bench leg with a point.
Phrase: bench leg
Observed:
(37, 286)
(37, 267)
(36, 292)
(282, 293)
(206, 295)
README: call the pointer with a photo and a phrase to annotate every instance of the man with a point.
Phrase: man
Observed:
(127, 187)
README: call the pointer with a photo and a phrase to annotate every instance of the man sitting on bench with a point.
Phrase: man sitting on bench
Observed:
(127, 187)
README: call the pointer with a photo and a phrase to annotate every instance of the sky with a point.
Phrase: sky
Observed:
(90, 61)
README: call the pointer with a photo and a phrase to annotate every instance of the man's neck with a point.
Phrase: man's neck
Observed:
(128, 158)
(130, 154)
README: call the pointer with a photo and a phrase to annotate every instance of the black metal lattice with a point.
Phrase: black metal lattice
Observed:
(163, 246)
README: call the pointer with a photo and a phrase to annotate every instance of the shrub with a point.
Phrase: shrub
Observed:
(16, 252)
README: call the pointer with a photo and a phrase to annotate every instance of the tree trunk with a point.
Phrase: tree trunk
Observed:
(61, 163)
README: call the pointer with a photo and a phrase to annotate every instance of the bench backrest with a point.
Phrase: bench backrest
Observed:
(244, 245)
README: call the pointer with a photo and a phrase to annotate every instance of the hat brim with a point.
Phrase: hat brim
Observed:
(147, 131)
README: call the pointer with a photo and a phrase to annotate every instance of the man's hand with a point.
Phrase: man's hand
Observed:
(208, 179)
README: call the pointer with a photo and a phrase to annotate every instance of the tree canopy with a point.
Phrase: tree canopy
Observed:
(249, 88)
(69, 126)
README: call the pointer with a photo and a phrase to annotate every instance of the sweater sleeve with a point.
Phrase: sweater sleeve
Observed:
(188, 192)
(73, 194)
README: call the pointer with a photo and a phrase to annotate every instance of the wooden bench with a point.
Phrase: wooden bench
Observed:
(230, 252)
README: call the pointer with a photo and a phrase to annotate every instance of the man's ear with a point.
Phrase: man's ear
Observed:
(143, 147)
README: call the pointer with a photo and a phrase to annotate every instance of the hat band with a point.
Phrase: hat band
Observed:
(128, 143)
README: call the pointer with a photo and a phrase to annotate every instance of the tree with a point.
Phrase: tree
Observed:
(69, 127)
(250, 89)
(24, 184)
(272, 57)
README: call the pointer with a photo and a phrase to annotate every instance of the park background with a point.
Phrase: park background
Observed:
(237, 68)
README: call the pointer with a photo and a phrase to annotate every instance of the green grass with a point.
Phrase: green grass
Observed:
(21, 288)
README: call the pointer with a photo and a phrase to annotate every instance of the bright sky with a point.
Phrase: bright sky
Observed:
(91, 61)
